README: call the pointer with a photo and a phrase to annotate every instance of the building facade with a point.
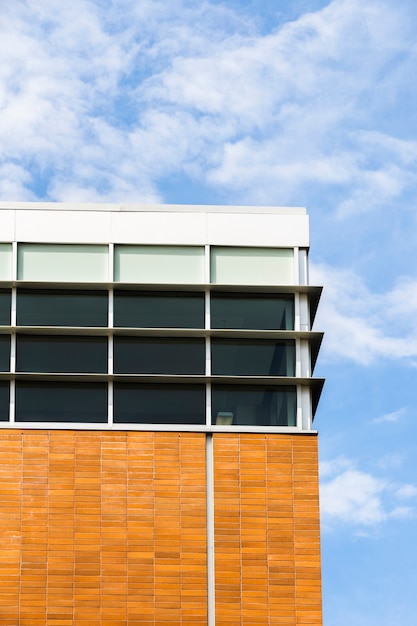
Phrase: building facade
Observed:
(159, 460)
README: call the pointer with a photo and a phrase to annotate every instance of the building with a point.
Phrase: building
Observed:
(158, 457)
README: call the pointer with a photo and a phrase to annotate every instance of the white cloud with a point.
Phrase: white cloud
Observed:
(353, 497)
(362, 325)
(392, 417)
(103, 100)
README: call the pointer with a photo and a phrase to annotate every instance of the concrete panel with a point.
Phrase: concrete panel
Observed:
(6, 225)
(159, 228)
(63, 226)
(257, 229)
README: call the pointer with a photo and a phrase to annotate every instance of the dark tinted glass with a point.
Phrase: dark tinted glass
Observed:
(4, 353)
(258, 310)
(71, 354)
(61, 308)
(4, 400)
(253, 406)
(149, 355)
(252, 357)
(5, 300)
(159, 404)
(61, 402)
(158, 310)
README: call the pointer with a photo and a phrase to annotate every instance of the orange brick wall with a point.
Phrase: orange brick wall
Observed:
(102, 528)
(109, 528)
(267, 537)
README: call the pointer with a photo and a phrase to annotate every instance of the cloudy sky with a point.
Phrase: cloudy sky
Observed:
(267, 102)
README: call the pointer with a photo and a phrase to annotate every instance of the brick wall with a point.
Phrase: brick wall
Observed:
(267, 537)
(109, 528)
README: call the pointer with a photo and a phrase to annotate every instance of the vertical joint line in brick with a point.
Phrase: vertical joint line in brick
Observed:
(210, 530)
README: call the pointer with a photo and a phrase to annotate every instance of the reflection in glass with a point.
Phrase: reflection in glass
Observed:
(142, 309)
(4, 353)
(4, 400)
(5, 301)
(159, 404)
(153, 355)
(252, 311)
(47, 307)
(58, 354)
(251, 357)
(253, 406)
(61, 402)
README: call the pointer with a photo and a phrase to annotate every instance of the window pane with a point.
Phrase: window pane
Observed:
(4, 353)
(61, 402)
(253, 406)
(158, 310)
(252, 266)
(48, 307)
(4, 400)
(71, 354)
(5, 261)
(149, 355)
(159, 264)
(251, 357)
(62, 262)
(5, 301)
(257, 311)
(159, 404)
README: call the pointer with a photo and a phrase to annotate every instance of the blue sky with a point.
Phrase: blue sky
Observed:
(304, 103)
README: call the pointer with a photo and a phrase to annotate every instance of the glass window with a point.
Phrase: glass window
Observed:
(4, 353)
(70, 354)
(253, 406)
(252, 266)
(258, 311)
(143, 309)
(5, 261)
(61, 402)
(62, 262)
(4, 400)
(5, 302)
(159, 264)
(154, 355)
(159, 404)
(49, 307)
(251, 357)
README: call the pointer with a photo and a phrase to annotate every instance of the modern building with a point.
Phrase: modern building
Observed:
(158, 455)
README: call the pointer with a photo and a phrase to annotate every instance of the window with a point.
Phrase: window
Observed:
(159, 264)
(4, 353)
(252, 266)
(5, 261)
(144, 309)
(152, 355)
(62, 262)
(252, 310)
(62, 354)
(152, 334)
(253, 405)
(61, 402)
(159, 404)
(250, 357)
(61, 307)
(5, 303)
(4, 400)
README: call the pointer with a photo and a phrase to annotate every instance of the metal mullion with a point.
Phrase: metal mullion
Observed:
(12, 364)
(110, 347)
(207, 326)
